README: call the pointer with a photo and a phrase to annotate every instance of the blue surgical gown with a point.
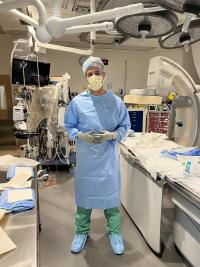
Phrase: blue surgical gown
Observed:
(97, 174)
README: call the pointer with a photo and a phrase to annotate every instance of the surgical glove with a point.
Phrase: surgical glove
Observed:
(105, 136)
(87, 137)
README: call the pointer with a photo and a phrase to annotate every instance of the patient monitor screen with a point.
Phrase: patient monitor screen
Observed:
(26, 72)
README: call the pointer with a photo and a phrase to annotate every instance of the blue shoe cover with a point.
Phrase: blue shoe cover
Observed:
(78, 242)
(116, 243)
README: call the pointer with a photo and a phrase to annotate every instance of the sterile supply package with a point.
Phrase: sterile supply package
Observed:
(15, 170)
(6, 244)
(20, 180)
(8, 160)
(16, 200)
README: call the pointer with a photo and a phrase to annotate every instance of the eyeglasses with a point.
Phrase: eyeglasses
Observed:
(91, 73)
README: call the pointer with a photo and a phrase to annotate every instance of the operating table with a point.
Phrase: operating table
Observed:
(142, 197)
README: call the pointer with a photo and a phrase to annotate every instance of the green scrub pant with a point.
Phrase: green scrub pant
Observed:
(82, 220)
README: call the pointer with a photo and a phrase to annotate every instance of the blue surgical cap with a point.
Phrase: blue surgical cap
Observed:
(93, 62)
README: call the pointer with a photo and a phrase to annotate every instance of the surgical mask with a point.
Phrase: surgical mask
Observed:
(95, 82)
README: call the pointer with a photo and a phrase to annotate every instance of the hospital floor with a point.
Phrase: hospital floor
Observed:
(57, 211)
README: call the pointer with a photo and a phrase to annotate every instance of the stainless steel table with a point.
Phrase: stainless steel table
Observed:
(23, 229)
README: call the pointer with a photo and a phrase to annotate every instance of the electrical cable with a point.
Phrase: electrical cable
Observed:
(67, 161)
(26, 106)
(38, 76)
(125, 75)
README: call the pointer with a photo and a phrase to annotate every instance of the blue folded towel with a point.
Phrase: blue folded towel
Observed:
(18, 205)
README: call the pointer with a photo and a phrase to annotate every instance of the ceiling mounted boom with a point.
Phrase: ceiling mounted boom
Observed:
(41, 32)
(56, 26)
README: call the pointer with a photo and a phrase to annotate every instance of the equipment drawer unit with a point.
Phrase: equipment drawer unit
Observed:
(136, 118)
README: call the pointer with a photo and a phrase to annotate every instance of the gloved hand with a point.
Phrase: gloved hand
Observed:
(87, 137)
(105, 136)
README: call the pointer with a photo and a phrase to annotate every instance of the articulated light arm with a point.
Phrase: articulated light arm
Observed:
(80, 29)
(77, 51)
(105, 26)
(41, 32)
(25, 18)
(56, 26)
(153, 9)
(38, 44)
(6, 6)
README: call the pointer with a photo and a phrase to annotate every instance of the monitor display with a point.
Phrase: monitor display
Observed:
(30, 72)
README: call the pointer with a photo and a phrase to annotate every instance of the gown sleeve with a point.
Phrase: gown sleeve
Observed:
(124, 122)
(71, 120)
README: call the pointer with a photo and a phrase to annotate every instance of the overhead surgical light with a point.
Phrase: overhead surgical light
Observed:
(191, 8)
(147, 25)
(178, 38)
(183, 6)
(131, 20)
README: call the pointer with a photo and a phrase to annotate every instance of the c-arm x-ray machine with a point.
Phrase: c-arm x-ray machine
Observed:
(165, 74)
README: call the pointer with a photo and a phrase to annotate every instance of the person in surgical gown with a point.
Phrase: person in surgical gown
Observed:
(97, 119)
